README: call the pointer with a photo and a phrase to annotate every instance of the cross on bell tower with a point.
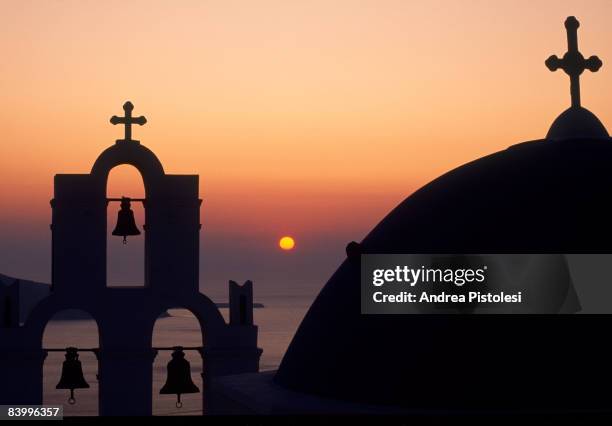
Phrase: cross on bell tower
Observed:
(573, 63)
(127, 120)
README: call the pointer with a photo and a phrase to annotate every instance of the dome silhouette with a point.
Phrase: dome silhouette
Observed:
(535, 197)
(577, 122)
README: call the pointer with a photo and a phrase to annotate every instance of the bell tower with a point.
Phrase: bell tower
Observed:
(125, 316)
(171, 229)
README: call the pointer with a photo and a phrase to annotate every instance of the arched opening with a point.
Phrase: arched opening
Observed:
(179, 327)
(71, 328)
(125, 263)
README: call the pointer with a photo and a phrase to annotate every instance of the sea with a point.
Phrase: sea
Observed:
(277, 321)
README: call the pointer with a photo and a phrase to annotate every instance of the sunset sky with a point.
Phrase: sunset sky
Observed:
(311, 119)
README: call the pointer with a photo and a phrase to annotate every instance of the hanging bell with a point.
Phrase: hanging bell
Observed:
(179, 377)
(72, 374)
(126, 225)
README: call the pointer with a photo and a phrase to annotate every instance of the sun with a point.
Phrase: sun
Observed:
(286, 243)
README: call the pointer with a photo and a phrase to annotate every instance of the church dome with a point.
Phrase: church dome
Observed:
(534, 197)
(545, 196)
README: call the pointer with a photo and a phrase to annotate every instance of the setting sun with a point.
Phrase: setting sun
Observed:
(286, 243)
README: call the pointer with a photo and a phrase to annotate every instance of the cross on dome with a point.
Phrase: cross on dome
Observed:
(573, 63)
(575, 122)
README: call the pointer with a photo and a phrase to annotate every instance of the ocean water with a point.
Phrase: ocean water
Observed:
(277, 322)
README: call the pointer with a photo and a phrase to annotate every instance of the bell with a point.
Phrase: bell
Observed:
(179, 377)
(72, 374)
(126, 225)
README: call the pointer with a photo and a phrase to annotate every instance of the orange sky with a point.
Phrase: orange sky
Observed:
(307, 118)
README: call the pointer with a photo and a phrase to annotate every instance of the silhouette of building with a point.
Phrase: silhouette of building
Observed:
(125, 316)
(541, 196)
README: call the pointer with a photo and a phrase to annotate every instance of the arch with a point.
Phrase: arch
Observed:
(181, 328)
(212, 328)
(212, 323)
(125, 263)
(124, 169)
(73, 330)
(134, 154)
(46, 309)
